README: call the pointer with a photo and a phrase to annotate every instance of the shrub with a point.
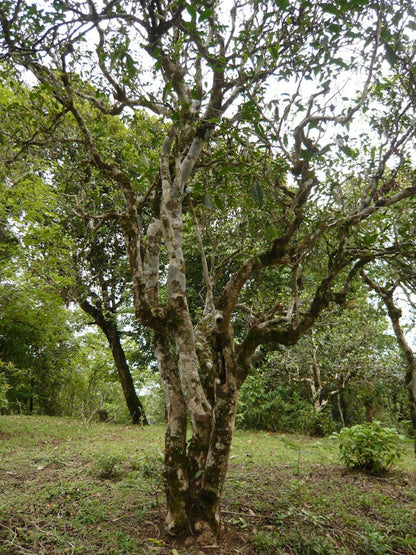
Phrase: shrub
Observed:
(370, 447)
(260, 406)
(150, 465)
(4, 386)
(107, 466)
(317, 424)
(276, 408)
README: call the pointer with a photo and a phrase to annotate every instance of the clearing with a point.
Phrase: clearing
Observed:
(75, 487)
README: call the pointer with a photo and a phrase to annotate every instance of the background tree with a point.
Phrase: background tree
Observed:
(80, 263)
(35, 348)
(339, 374)
(387, 294)
(323, 189)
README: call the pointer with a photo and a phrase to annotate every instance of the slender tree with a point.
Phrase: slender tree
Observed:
(102, 305)
(347, 345)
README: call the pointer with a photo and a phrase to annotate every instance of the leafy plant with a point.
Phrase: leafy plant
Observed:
(149, 465)
(370, 447)
(266, 543)
(375, 541)
(107, 466)
(4, 386)
(265, 404)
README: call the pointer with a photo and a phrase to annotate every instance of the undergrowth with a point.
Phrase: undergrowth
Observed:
(72, 487)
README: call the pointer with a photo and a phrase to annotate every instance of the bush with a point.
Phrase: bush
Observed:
(276, 408)
(4, 386)
(260, 406)
(107, 466)
(371, 447)
(150, 466)
(316, 424)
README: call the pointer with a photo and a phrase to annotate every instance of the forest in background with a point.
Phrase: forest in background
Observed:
(55, 362)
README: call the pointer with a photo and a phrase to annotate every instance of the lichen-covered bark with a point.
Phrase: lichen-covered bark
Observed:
(176, 468)
(219, 451)
(198, 373)
(196, 470)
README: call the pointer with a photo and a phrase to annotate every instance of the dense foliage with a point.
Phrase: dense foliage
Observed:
(373, 448)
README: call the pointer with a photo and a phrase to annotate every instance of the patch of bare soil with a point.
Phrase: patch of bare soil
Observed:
(234, 540)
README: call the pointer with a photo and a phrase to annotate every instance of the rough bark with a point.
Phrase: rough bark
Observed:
(195, 470)
(176, 467)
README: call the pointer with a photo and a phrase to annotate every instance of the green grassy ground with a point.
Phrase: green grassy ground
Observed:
(72, 487)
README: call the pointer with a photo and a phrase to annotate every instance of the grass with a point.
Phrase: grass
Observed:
(71, 487)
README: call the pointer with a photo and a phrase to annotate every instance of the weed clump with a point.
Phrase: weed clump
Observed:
(107, 467)
(371, 448)
(149, 465)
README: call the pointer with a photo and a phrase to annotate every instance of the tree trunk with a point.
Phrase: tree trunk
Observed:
(195, 469)
(133, 402)
(176, 468)
(194, 494)
(340, 402)
(411, 388)
(395, 314)
(109, 328)
(410, 376)
(213, 478)
(32, 394)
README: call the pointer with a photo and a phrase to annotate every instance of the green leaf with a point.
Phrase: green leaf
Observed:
(334, 28)
(324, 150)
(282, 4)
(257, 194)
(219, 202)
(206, 14)
(191, 10)
(208, 202)
(330, 8)
(274, 51)
(130, 65)
(351, 153)
(390, 54)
